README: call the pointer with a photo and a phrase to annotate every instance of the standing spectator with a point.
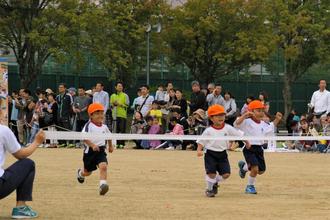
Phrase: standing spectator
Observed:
(169, 86)
(14, 113)
(230, 107)
(320, 101)
(64, 111)
(51, 116)
(80, 106)
(30, 106)
(20, 104)
(180, 103)
(144, 101)
(210, 88)
(263, 97)
(198, 99)
(134, 104)
(246, 104)
(73, 93)
(37, 121)
(160, 94)
(101, 96)
(215, 97)
(119, 102)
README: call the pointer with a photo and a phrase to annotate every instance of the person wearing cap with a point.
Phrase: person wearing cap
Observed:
(197, 99)
(252, 124)
(216, 162)
(95, 148)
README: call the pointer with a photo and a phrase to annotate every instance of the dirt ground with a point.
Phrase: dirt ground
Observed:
(170, 185)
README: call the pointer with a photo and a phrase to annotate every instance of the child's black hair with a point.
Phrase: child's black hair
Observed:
(174, 119)
(149, 118)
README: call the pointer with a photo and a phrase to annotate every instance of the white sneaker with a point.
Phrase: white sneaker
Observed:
(179, 147)
(170, 148)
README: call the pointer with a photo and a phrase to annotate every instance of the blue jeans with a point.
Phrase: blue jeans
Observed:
(34, 130)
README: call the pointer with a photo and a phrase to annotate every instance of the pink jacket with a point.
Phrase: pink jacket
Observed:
(177, 130)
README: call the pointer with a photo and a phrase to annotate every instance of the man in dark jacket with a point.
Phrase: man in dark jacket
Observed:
(197, 99)
(64, 102)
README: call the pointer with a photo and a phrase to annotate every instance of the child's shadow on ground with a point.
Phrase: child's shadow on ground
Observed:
(5, 218)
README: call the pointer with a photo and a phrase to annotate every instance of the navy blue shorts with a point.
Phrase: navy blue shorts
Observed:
(216, 162)
(255, 157)
(93, 158)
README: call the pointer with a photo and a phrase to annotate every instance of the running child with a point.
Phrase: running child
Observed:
(95, 149)
(216, 162)
(252, 124)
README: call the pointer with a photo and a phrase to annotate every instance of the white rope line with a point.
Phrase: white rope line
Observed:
(62, 135)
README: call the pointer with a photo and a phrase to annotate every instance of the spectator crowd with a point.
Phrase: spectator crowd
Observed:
(165, 111)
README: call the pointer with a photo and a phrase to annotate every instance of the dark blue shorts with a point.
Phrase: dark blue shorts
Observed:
(255, 157)
(92, 159)
(216, 162)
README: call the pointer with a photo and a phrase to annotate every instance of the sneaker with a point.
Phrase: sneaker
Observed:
(250, 189)
(23, 212)
(170, 148)
(104, 188)
(71, 146)
(80, 179)
(215, 188)
(209, 193)
(242, 172)
(178, 147)
(61, 145)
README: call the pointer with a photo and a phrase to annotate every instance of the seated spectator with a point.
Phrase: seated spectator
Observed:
(154, 129)
(306, 130)
(197, 123)
(149, 122)
(177, 130)
(138, 124)
(155, 112)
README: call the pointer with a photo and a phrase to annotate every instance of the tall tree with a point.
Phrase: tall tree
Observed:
(217, 37)
(301, 32)
(34, 30)
(115, 34)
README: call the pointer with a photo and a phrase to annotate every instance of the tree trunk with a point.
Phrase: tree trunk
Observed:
(287, 95)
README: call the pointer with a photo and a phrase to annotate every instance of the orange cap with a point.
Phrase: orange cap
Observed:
(95, 107)
(256, 104)
(215, 110)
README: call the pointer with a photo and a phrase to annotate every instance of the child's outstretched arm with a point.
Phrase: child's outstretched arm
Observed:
(110, 147)
(200, 150)
(240, 120)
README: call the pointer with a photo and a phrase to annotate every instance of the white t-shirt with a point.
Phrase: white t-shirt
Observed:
(252, 128)
(8, 143)
(90, 127)
(147, 105)
(321, 101)
(217, 145)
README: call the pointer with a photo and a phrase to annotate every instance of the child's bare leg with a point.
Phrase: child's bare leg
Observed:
(103, 170)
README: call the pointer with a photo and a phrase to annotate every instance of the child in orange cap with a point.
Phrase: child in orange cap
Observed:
(216, 160)
(252, 124)
(94, 152)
